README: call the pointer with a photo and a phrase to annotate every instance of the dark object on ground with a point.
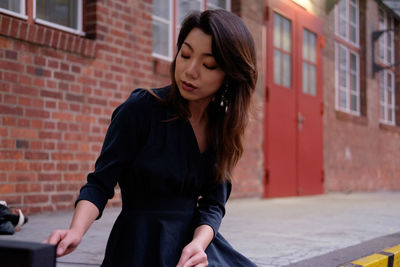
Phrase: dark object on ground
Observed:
(10, 221)
(27, 254)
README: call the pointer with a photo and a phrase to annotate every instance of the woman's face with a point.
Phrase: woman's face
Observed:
(196, 72)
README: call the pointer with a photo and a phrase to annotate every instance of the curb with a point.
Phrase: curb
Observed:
(389, 257)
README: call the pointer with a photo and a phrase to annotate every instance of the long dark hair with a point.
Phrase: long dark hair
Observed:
(233, 50)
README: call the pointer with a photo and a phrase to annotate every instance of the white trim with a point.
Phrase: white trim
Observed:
(77, 31)
(347, 89)
(170, 33)
(21, 14)
(348, 22)
(385, 103)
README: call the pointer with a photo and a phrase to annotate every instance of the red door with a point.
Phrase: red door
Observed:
(293, 145)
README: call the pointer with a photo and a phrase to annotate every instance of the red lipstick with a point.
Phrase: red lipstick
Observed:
(187, 86)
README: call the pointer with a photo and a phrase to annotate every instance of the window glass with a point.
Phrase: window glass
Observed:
(62, 12)
(185, 6)
(214, 4)
(277, 67)
(305, 77)
(161, 9)
(313, 80)
(286, 70)
(282, 48)
(161, 38)
(12, 5)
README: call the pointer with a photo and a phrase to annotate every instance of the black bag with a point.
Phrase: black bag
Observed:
(10, 221)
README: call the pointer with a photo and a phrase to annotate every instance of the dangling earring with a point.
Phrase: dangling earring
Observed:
(224, 98)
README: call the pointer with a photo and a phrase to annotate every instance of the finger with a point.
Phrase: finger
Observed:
(186, 254)
(199, 258)
(55, 237)
(66, 245)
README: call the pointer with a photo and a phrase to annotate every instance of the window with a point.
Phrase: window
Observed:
(165, 32)
(386, 76)
(347, 60)
(347, 21)
(309, 63)
(282, 51)
(65, 15)
(386, 41)
(13, 7)
(387, 96)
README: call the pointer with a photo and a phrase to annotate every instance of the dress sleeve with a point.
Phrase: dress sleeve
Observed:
(211, 206)
(118, 150)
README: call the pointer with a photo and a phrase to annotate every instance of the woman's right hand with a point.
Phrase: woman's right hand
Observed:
(67, 240)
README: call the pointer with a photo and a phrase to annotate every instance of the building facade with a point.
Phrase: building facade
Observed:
(323, 119)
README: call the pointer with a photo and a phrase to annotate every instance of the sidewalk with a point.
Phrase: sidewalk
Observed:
(272, 232)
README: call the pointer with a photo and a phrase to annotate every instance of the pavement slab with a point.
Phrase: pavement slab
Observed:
(271, 232)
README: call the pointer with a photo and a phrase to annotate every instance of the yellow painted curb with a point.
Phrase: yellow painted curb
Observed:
(389, 257)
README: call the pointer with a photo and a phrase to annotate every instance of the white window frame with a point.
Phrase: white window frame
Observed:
(171, 43)
(388, 23)
(384, 103)
(348, 22)
(77, 31)
(21, 14)
(347, 89)
(170, 34)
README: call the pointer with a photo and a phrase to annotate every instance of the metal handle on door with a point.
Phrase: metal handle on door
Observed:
(300, 121)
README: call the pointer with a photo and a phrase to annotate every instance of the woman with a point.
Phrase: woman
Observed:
(172, 150)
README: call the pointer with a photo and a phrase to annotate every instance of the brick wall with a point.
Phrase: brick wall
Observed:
(360, 154)
(57, 93)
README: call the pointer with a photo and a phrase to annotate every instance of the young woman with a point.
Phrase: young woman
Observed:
(172, 151)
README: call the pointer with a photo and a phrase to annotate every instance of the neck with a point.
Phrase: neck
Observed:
(197, 111)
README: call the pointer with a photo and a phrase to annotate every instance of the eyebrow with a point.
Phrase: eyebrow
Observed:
(191, 48)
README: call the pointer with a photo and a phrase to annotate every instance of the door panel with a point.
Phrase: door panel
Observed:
(293, 109)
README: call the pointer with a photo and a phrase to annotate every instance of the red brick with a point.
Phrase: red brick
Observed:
(9, 65)
(55, 40)
(73, 176)
(11, 110)
(22, 166)
(36, 113)
(34, 199)
(5, 25)
(39, 61)
(31, 33)
(14, 28)
(40, 35)
(9, 121)
(23, 123)
(23, 29)
(22, 177)
(62, 156)
(36, 155)
(37, 124)
(6, 189)
(10, 155)
(62, 116)
(10, 77)
(49, 135)
(25, 90)
(21, 188)
(64, 76)
(48, 166)
(62, 198)
(12, 199)
(49, 177)
(48, 187)
(24, 133)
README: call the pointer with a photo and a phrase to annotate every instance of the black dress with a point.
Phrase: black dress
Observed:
(161, 173)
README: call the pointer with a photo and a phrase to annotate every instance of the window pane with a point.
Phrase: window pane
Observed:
(353, 82)
(354, 103)
(353, 14)
(286, 71)
(160, 38)
(313, 81)
(185, 6)
(62, 12)
(353, 34)
(343, 58)
(382, 95)
(353, 62)
(390, 97)
(343, 77)
(217, 3)
(305, 44)
(286, 35)
(305, 77)
(161, 8)
(343, 102)
(277, 30)
(382, 112)
(312, 46)
(390, 114)
(277, 67)
(12, 5)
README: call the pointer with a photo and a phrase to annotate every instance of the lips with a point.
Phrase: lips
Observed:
(187, 86)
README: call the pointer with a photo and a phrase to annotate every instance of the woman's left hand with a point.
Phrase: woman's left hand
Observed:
(193, 255)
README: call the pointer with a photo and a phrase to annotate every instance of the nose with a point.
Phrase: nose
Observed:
(192, 69)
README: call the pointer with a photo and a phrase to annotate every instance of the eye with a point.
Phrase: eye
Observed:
(185, 56)
(210, 67)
